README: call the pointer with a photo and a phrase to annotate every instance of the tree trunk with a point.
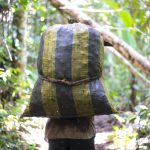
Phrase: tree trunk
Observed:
(123, 48)
(133, 93)
(20, 27)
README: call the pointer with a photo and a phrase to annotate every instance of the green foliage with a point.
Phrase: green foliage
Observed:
(31, 147)
(134, 129)
(144, 120)
(122, 137)
(9, 139)
(20, 4)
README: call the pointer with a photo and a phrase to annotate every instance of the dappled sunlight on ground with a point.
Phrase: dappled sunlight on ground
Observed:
(102, 138)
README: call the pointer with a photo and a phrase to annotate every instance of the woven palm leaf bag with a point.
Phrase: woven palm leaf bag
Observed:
(69, 65)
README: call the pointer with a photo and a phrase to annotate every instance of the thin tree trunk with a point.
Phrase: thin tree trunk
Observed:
(20, 26)
(19, 45)
(123, 48)
(133, 93)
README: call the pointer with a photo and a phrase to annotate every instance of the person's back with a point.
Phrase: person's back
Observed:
(70, 134)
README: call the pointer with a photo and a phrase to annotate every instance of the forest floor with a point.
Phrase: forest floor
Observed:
(105, 135)
(104, 140)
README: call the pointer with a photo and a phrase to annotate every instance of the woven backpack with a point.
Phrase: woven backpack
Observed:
(70, 68)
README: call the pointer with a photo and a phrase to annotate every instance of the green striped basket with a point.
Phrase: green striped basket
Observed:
(70, 68)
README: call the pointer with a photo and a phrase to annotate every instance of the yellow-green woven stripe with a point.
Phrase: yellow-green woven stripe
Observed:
(48, 60)
(82, 99)
(49, 100)
(80, 53)
(81, 93)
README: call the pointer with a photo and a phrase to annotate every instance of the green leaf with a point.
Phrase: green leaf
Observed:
(139, 108)
(126, 18)
(112, 4)
(129, 38)
(124, 15)
(3, 112)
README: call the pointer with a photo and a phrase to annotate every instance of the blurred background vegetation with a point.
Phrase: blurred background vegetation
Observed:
(21, 25)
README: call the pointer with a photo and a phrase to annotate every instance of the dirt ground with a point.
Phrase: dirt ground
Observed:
(103, 125)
